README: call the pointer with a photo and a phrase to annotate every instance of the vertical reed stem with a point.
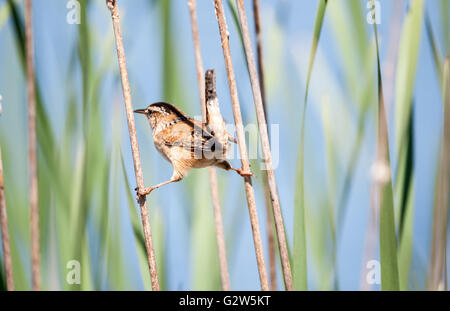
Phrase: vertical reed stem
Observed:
(259, 52)
(267, 156)
(438, 263)
(219, 230)
(269, 215)
(111, 4)
(5, 232)
(5, 229)
(212, 172)
(32, 139)
(223, 29)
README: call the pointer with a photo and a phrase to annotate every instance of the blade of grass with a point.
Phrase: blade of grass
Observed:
(90, 165)
(383, 186)
(171, 69)
(356, 53)
(96, 159)
(112, 5)
(331, 165)
(404, 187)
(204, 262)
(103, 223)
(224, 35)
(5, 13)
(300, 255)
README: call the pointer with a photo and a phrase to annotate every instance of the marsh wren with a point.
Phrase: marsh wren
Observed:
(187, 143)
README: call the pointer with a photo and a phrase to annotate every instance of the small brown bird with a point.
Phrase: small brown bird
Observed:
(187, 143)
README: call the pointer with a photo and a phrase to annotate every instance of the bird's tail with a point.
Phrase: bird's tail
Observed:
(210, 85)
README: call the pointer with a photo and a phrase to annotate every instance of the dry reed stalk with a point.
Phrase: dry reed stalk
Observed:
(267, 156)
(219, 230)
(32, 141)
(270, 237)
(198, 56)
(112, 5)
(269, 215)
(223, 29)
(440, 214)
(212, 172)
(259, 52)
(5, 231)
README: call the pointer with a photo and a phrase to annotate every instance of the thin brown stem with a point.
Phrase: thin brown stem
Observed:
(112, 5)
(269, 215)
(267, 156)
(440, 215)
(5, 232)
(32, 141)
(212, 172)
(270, 236)
(198, 56)
(5, 229)
(259, 51)
(223, 29)
(219, 230)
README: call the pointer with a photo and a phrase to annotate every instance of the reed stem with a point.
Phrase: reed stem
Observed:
(223, 29)
(112, 5)
(32, 142)
(5, 229)
(267, 156)
(438, 264)
(269, 213)
(211, 171)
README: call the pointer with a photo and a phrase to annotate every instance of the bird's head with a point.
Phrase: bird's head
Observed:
(157, 112)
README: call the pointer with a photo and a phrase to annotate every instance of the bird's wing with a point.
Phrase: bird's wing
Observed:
(192, 136)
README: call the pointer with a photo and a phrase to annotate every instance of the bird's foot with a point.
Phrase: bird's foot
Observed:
(243, 173)
(142, 192)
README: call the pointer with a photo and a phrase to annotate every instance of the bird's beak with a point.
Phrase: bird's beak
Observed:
(143, 111)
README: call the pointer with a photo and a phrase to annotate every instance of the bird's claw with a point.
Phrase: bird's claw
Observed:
(241, 172)
(142, 192)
